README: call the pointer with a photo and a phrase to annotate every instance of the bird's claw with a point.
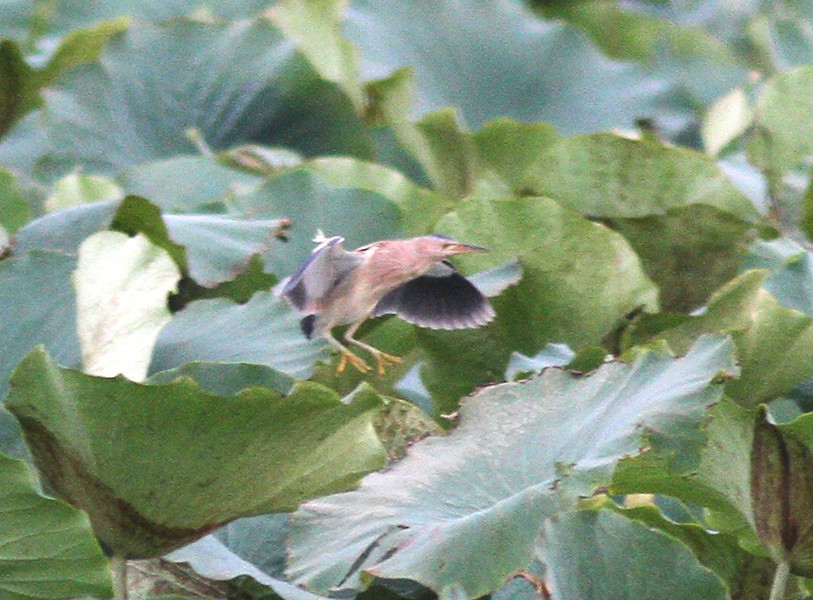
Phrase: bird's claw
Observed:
(358, 363)
(383, 360)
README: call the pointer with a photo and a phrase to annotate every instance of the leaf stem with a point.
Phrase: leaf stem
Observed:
(118, 565)
(780, 581)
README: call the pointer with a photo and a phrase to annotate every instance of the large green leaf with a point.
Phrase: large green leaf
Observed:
(774, 353)
(122, 290)
(730, 308)
(226, 379)
(688, 252)
(157, 466)
(746, 575)
(462, 511)
(773, 342)
(593, 175)
(579, 280)
(632, 35)
(459, 163)
(508, 149)
(47, 549)
(235, 83)
(593, 554)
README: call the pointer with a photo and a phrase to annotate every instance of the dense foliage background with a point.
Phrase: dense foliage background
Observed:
(636, 423)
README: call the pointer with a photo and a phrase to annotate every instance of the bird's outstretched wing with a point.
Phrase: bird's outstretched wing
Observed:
(442, 299)
(327, 265)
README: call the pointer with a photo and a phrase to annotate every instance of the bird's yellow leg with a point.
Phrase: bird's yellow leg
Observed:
(347, 357)
(381, 358)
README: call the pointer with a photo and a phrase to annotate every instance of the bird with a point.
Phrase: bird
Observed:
(411, 278)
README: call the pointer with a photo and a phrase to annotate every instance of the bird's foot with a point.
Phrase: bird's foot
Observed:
(358, 363)
(383, 360)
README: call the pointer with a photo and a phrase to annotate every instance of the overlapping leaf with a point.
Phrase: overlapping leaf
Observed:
(185, 183)
(425, 518)
(579, 280)
(158, 466)
(492, 70)
(585, 560)
(47, 549)
(355, 213)
(236, 83)
(262, 331)
(50, 320)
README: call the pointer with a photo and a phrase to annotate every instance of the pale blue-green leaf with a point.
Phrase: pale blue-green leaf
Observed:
(210, 558)
(485, 60)
(595, 554)
(420, 208)
(552, 355)
(495, 281)
(219, 247)
(263, 331)
(235, 239)
(38, 308)
(23, 145)
(240, 82)
(261, 540)
(791, 280)
(63, 231)
(183, 183)
(16, 20)
(493, 480)
(68, 16)
(358, 215)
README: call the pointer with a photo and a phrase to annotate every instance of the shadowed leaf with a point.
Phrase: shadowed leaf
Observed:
(157, 467)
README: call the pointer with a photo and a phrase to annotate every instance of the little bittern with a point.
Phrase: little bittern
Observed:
(410, 278)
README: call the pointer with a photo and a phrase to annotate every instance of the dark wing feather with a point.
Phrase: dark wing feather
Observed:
(449, 301)
(318, 275)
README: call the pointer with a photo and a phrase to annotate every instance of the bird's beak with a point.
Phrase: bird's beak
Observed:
(460, 248)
